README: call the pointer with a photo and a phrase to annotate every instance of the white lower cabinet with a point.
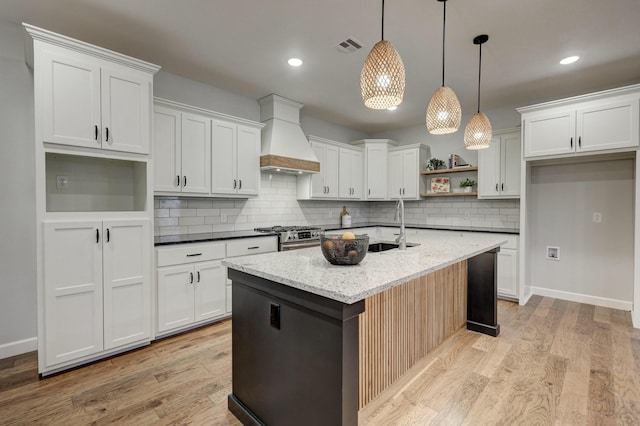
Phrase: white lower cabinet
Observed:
(191, 284)
(508, 268)
(97, 286)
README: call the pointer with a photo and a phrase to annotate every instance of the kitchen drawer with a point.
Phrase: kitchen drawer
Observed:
(256, 245)
(188, 253)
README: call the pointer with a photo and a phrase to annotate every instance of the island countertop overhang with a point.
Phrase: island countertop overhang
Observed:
(308, 270)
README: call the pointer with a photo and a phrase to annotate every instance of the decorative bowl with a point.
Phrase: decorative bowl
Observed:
(344, 249)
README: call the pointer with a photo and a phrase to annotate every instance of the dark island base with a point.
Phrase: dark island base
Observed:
(482, 306)
(295, 355)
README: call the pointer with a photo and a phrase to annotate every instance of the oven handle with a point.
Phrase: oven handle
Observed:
(287, 247)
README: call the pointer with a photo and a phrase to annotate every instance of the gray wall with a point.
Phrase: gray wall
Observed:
(17, 208)
(596, 259)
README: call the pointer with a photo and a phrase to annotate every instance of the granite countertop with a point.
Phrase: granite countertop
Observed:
(207, 236)
(308, 270)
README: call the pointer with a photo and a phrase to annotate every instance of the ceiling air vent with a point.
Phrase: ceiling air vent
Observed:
(349, 45)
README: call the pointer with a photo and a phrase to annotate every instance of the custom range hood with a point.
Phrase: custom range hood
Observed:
(284, 147)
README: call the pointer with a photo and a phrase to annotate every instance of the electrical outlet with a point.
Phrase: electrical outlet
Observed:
(553, 253)
(597, 217)
(62, 182)
(223, 217)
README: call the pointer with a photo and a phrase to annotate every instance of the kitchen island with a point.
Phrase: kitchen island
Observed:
(313, 342)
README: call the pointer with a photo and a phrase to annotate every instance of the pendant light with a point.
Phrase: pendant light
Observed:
(477, 134)
(444, 112)
(382, 79)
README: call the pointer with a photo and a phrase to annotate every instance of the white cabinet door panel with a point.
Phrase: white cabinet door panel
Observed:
(196, 151)
(167, 157)
(331, 170)
(610, 126)
(71, 99)
(507, 279)
(175, 297)
(127, 282)
(318, 186)
(410, 170)
(550, 134)
(511, 159)
(125, 111)
(73, 290)
(210, 290)
(395, 175)
(376, 173)
(223, 158)
(248, 160)
(489, 169)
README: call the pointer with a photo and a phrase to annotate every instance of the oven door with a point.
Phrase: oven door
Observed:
(299, 245)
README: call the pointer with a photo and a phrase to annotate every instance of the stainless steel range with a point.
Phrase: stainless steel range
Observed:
(295, 237)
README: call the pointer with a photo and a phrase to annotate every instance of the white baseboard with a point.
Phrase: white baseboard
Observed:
(635, 318)
(583, 298)
(19, 347)
(524, 298)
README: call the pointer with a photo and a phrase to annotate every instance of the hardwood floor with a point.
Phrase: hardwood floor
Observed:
(555, 363)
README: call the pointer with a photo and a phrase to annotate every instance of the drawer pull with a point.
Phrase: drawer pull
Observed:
(198, 276)
(253, 248)
(194, 254)
(191, 275)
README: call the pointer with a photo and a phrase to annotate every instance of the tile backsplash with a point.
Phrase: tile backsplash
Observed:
(277, 205)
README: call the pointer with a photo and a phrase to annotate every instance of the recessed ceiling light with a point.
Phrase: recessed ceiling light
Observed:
(295, 62)
(393, 108)
(569, 60)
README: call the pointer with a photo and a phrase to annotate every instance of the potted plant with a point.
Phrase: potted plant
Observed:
(467, 185)
(435, 164)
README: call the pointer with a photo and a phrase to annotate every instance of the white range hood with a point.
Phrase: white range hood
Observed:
(285, 148)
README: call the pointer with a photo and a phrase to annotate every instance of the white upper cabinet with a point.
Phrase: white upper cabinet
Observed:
(375, 171)
(350, 175)
(235, 159)
(322, 185)
(182, 144)
(196, 148)
(590, 123)
(499, 167)
(92, 103)
(203, 153)
(404, 171)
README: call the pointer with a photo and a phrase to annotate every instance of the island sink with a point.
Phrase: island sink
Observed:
(377, 247)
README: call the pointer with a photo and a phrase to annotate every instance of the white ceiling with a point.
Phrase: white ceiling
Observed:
(243, 45)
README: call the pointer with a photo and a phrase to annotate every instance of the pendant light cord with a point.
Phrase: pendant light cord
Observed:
(479, 74)
(382, 20)
(444, 25)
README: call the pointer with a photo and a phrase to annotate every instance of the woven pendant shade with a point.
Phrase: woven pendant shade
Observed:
(382, 80)
(477, 134)
(443, 113)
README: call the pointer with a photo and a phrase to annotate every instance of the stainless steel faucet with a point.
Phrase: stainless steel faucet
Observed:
(399, 216)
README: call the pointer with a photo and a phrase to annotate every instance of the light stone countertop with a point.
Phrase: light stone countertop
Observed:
(308, 270)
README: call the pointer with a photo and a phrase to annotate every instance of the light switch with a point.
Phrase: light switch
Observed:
(597, 217)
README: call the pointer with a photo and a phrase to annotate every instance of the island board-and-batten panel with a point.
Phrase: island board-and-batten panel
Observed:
(400, 326)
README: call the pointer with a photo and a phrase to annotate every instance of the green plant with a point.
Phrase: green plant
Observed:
(467, 182)
(435, 164)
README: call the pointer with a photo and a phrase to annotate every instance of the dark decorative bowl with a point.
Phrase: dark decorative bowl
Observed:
(340, 251)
